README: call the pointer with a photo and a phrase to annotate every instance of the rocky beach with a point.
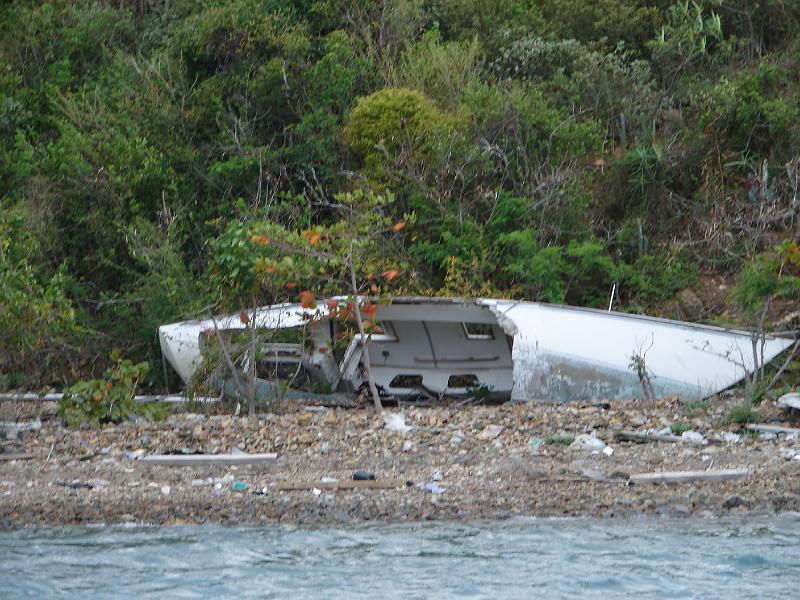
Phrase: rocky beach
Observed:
(467, 463)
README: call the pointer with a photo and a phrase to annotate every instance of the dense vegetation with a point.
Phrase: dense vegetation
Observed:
(545, 149)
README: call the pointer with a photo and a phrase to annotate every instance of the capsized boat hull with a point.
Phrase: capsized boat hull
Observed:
(521, 350)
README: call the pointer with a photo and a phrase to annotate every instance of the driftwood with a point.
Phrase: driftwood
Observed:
(347, 484)
(16, 456)
(682, 476)
(194, 460)
(771, 428)
(639, 437)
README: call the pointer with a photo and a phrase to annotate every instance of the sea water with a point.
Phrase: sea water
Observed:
(572, 558)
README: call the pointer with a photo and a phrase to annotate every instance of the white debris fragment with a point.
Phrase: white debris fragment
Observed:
(587, 442)
(730, 437)
(693, 437)
(396, 422)
(608, 451)
(791, 400)
(165, 489)
(490, 432)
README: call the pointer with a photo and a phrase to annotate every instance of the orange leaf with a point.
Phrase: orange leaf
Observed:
(370, 310)
(314, 239)
(399, 226)
(259, 239)
(306, 299)
(373, 288)
(331, 304)
(323, 349)
(291, 285)
(391, 274)
(244, 317)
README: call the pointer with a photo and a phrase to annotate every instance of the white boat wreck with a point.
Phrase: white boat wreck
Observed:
(437, 347)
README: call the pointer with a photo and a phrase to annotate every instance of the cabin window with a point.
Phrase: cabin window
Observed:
(478, 331)
(406, 381)
(387, 332)
(462, 381)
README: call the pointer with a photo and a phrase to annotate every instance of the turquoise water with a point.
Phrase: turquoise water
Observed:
(651, 558)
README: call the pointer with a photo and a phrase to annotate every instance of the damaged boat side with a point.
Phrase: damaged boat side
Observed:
(436, 347)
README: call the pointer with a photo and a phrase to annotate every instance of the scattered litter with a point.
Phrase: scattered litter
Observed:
(664, 431)
(437, 475)
(74, 485)
(165, 489)
(329, 480)
(217, 486)
(199, 482)
(224, 480)
(135, 454)
(791, 400)
(363, 476)
(490, 432)
(730, 437)
(316, 491)
(396, 422)
(97, 483)
(239, 486)
(407, 446)
(608, 451)
(584, 441)
(705, 458)
(431, 487)
(693, 437)
(456, 439)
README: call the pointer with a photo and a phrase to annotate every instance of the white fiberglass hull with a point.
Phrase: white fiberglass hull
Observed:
(558, 353)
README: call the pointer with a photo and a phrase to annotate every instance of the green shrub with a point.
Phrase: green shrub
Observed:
(742, 415)
(559, 439)
(110, 399)
(696, 406)
(679, 428)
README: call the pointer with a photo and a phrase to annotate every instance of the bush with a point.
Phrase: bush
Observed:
(110, 399)
(742, 415)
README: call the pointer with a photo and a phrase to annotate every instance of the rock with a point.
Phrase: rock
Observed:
(363, 476)
(790, 400)
(490, 432)
(437, 475)
(691, 306)
(733, 502)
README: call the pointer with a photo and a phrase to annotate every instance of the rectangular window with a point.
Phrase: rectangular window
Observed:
(478, 331)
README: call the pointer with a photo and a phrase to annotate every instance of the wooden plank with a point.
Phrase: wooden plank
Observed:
(16, 456)
(771, 428)
(636, 436)
(681, 476)
(196, 460)
(347, 484)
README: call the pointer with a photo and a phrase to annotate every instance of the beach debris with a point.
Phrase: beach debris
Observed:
(730, 437)
(791, 400)
(693, 437)
(239, 486)
(13, 429)
(396, 422)
(96, 483)
(456, 439)
(165, 489)
(192, 460)
(349, 484)
(4, 457)
(316, 491)
(437, 475)
(74, 485)
(363, 476)
(135, 454)
(329, 480)
(683, 476)
(608, 451)
(432, 487)
(772, 429)
(648, 436)
(407, 446)
(586, 441)
(490, 432)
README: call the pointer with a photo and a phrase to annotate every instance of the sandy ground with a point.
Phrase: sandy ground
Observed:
(85, 476)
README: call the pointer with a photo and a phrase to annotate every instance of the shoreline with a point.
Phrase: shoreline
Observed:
(493, 463)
